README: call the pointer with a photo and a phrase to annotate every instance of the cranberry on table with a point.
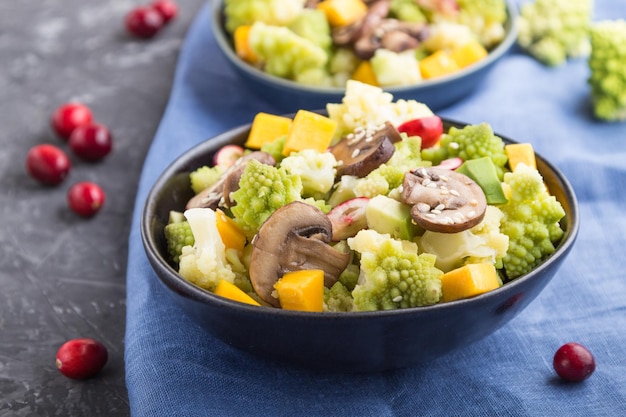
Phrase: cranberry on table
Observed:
(47, 164)
(144, 21)
(167, 8)
(91, 142)
(81, 358)
(68, 117)
(85, 198)
(574, 362)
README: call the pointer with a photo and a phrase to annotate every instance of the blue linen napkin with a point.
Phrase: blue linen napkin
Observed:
(175, 369)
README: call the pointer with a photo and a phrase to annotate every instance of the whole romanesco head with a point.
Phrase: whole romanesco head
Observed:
(204, 263)
(469, 142)
(283, 53)
(392, 274)
(262, 190)
(554, 30)
(531, 221)
(271, 12)
(608, 77)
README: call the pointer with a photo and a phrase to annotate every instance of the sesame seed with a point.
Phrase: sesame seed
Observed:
(471, 213)
(440, 207)
(454, 145)
(435, 211)
(473, 202)
(423, 207)
(426, 181)
(455, 193)
(397, 299)
(356, 152)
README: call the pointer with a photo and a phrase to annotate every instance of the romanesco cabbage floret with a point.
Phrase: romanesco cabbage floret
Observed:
(337, 298)
(392, 274)
(316, 170)
(395, 68)
(204, 177)
(204, 263)
(469, 142)
(312, 24)
(531, 221)
(367, 105)
(271, 12)
(406, 10)
(486, 19)
(178, 235)
(262, 190)
(554, 30)
(283, 53)
(483, 243)
(608, 75)
(275, 148)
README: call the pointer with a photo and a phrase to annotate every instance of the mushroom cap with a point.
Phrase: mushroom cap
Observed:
(443, 201)
(295, 237)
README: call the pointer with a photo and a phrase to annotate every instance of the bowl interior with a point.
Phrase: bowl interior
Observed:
(290, 96)
(325, 341)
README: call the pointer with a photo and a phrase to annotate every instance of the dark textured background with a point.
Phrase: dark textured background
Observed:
(62, 276)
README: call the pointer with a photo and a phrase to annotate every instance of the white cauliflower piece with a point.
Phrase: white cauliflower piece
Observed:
(316, 170)
(394, 69)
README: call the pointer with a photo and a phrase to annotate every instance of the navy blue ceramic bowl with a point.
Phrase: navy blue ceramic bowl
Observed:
(289, 96)
(346, 342)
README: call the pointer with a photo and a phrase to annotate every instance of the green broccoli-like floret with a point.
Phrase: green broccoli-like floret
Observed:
(554, 30)
(283, 53)
(608, 77)
(486, 19)
(407, 10)
(337, 298)
(313, 25)
(271, 12)
(177, 235)
(469, 142)
(316, 170)
(392, 274)
(204, 263)
(482, 243)
(531, 221)
(262, 190)
(204, 177)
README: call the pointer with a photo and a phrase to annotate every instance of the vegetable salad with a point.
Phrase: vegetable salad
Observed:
(374, 206)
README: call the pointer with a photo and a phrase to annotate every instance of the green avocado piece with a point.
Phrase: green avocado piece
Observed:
(388, 216)
(483, 172)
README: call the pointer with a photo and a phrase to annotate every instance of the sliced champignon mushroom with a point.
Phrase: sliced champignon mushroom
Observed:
(295, 237)
(376, 12)
(391, 34)
(443, 201)
(365, 149)
(213, 196)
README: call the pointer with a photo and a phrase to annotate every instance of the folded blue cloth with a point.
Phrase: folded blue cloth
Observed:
(174, 368)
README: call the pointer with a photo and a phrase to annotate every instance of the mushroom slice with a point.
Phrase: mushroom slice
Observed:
(443, 201)
(212, 196)
(295, 237)
(365, 149)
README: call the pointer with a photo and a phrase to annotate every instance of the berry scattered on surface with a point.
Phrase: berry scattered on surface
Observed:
(81, 358)
(47, 164)
(68, 117)
(91, 142)
(143, 22)
(574, 362)
(85, 198)
(167, 8)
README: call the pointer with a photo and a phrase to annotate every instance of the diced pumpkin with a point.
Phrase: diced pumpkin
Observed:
(343, 12)
(468, 54)
(267, 128)
(365, 73)
(520, 153)
(231, 291)
(438, 64)
(309, 131)
(301, 290)
(230, 232)
(468, 281)
(242, 46)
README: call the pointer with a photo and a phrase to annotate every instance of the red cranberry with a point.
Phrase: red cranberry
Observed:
(167, 8)
(91, 142)
(81, 358)
(48, 164)
(573, 362)
(85, 198)
(144, 22)
(68, 117)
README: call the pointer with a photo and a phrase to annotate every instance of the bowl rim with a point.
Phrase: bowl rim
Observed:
(496, 53)
(170, 277)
